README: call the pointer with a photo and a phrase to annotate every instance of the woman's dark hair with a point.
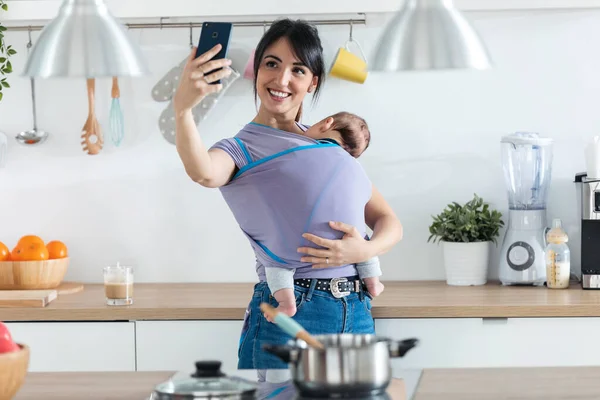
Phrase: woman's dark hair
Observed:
(306, 45)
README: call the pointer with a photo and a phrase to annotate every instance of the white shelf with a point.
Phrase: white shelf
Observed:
(43, 10)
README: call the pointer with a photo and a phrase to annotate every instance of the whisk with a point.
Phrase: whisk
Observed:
(117, 129)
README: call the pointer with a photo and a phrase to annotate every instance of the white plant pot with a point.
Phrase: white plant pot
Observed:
(466, 264)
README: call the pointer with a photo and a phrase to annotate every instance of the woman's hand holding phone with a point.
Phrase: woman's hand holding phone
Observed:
(196, 78)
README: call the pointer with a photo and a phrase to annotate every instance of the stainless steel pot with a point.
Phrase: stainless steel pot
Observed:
(208, 382)
(357, 365)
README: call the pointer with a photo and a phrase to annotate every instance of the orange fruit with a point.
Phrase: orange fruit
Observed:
(56, 249)
(30, 239)
(4, 252)
(33, 251)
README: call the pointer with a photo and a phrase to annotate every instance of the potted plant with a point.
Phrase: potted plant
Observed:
(6, 51)
(466, 232)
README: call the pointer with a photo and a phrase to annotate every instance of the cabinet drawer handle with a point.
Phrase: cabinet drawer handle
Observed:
(494, 320)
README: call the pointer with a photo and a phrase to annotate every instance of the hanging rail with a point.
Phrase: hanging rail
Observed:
(178, 25)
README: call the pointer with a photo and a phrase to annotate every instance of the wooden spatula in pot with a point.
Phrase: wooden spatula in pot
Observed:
(91, 134)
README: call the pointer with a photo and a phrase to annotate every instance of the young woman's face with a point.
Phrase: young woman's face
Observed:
(283, 80)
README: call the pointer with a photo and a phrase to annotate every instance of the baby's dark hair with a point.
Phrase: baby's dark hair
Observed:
(354, 131)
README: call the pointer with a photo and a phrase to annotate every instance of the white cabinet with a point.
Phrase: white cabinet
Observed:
(176, 345)
(541, 342)
(77, 346)
(476, 342)
(442, 342)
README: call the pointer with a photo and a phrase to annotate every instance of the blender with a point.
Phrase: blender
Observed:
(526, 161)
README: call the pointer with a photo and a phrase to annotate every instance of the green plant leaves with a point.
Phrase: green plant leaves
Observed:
(471, 222)
(6, 51)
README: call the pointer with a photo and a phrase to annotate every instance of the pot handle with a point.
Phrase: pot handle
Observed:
(286, 353)
(400, 348)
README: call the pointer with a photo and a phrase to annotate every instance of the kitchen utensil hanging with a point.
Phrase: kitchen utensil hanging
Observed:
(166, 121)
(34, 136)
(91, 134)
(117, 124)
(249, 68)
(167, 86)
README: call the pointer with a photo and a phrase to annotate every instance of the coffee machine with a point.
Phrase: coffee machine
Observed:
(588, 194)
(527, 165)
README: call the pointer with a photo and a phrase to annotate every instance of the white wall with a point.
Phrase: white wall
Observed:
(435, 140)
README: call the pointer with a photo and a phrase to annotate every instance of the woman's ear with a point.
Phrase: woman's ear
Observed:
(313, 84)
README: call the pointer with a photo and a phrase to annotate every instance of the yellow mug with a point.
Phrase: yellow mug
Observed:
(349, 66)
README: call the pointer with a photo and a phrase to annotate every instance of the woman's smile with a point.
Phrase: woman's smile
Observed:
(278, 95)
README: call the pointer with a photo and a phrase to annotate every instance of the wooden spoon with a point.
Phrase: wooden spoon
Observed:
(289, 326)
(91, 134)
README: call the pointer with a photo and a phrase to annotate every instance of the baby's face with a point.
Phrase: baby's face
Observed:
(323, 130)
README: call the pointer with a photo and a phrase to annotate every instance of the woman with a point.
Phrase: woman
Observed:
(288, 65)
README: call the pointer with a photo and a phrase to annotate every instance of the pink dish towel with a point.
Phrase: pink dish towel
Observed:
(249, 70)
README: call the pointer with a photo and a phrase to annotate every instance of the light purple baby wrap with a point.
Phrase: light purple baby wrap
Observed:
(289, 184)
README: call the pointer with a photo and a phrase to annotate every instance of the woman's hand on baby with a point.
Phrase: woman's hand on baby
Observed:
(351, 249)
(195, 81)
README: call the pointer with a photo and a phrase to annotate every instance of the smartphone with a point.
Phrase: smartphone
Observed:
(214, 33)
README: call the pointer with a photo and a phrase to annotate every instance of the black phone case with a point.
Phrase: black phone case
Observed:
(214, 33)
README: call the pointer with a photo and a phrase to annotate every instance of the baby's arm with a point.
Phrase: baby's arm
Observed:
(370, 271)
(281, 284)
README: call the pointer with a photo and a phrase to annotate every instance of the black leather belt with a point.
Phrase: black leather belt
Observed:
(338, 287)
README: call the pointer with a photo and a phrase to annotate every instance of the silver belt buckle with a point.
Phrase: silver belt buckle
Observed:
(335, 289)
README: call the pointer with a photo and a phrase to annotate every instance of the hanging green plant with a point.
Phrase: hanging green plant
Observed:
(6, 51)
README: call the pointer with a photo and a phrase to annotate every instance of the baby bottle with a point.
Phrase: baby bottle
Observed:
(558, 257)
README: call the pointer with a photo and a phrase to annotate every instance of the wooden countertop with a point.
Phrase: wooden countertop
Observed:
(549, 383)
(227, 301)
(90, 385)
(114, 385)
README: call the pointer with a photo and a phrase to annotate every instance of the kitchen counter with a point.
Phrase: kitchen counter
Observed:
(115, 385)
(90, 385)
(227, 301)
(550, 383)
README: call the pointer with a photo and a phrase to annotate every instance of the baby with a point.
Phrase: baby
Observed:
(352, 134)
(348, 130)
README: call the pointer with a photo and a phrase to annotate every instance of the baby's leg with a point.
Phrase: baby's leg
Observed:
(374, 286)
(287, 302)
(281, 284)
(370, 271)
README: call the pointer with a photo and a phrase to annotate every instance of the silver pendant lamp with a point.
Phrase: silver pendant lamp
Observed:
(85, 41)
(430, 35)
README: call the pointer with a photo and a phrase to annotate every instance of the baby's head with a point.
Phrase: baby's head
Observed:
(349, 130)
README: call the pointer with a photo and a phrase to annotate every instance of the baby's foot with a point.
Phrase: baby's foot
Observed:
(374, 286)
(289, 310)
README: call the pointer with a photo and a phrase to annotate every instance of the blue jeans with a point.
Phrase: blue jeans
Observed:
(317, 311)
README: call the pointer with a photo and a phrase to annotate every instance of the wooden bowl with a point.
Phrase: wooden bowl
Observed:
(13, 368)
(30, 275)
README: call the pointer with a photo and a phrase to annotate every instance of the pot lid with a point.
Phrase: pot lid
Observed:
(207, 381)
